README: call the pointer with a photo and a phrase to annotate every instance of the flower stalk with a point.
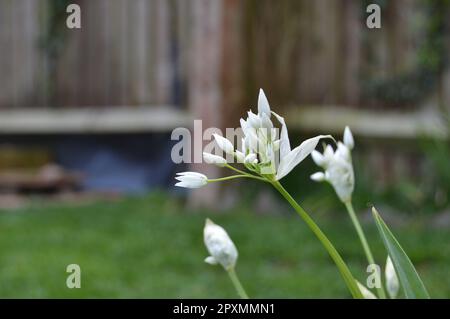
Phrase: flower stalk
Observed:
(348, 204)
(268, 157)
(237, 283)
(343, 269)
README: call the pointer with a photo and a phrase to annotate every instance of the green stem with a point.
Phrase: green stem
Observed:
(364, 243)
(345, 272)
(237, 283)
(235, 169)
(234, 177)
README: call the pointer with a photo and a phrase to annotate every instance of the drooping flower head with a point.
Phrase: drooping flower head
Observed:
(220, 246)
(338, 167)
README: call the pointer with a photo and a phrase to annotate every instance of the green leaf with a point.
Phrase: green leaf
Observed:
(407, 274)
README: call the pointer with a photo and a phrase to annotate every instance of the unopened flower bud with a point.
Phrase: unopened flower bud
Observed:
(214, 159)
(392, 283)
(348, 138)
(219, 245)
(224, 144)
(318, 177)
(191, 180)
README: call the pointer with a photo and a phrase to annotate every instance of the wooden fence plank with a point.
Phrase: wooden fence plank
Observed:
(6, 65)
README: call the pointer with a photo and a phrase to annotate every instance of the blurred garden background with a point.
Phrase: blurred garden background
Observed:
(86, 117)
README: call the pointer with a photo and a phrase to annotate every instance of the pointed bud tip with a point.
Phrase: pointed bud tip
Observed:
(208, 222)
(318, 177)
(348, 138)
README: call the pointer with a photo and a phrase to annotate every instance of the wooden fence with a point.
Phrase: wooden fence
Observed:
(147, 52)
(127, 53)
(210, 57)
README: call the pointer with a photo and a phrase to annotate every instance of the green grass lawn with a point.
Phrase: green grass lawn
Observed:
(152, 247)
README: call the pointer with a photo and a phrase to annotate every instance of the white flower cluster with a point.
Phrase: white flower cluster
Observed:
(263, 151)
(338, 167)
(220, 246)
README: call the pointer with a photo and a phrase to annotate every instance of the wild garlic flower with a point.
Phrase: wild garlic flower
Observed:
(214, 159)
(338, 167)
(191, 180)
(220, 246)
(392, 283)
(263, 150)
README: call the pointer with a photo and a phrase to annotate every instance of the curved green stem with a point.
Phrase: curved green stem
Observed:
(235, 169)
(213, 180)
(237, 283)
(345, 272)
(380, 291)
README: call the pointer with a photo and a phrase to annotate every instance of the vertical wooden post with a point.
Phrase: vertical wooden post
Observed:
(351, 42)
(205, 94)
(232, 64)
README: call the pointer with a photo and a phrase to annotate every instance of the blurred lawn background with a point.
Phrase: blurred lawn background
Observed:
(144, 247)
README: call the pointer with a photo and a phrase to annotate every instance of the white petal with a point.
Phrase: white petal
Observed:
(252, 142)
(250, 159)
(253, 120)
(285, 144)
(318, 177)
(317, 158)
(211, 260)
(297, 155)
(328, 153)
(348, 138)
(263, 104)
(224, 144)
(244, 146)
(276, 145)
(191, 174)
(266, 122)
(240, 157)
(367, 294)
(191, 180)
(343, 152)
(244, 124)
(214, 159)
(188, 185)
(392, 283)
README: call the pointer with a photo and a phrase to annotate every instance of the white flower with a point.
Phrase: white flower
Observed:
(219, 245)
(367, 294)
(338, 167)
(224, 144)
(392, 283)
(191, 180)
(263, 151)
(274, 154)
(214, 159)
